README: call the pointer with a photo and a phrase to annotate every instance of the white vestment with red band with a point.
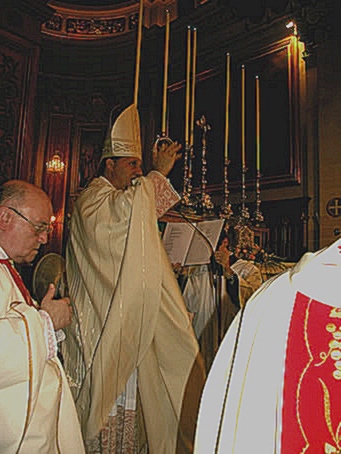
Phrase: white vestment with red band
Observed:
(283, 393)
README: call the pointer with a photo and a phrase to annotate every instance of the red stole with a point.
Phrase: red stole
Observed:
(311, 414)
(19, 282)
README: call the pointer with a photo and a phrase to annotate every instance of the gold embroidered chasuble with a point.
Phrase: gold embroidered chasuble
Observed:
(129, 311)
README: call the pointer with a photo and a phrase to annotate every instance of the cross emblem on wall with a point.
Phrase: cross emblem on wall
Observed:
(334, 207)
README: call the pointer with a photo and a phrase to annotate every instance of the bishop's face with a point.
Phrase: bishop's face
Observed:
(121, 172)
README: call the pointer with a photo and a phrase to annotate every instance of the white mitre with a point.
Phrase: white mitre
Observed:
(125, 136)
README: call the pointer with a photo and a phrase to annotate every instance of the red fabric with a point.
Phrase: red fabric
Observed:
(19, 282)
(311, 415)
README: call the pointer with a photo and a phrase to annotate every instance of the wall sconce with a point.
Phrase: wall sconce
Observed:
(292, 27)
(55, 165)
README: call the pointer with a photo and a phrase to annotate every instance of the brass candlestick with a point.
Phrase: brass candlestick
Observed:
(244, 212)
(187, 200)
(226, 209)
(258, 217)
(206, 204)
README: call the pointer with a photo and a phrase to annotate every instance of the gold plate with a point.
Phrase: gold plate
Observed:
(49, 270)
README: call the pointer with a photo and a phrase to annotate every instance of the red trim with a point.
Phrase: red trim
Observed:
(19, 282)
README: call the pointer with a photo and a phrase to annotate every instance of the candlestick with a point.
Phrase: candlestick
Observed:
(244, 213)
(194, 70)
(243, 117)
(258, 217)
(227, 105)
(226, 210)
(138, 53)
(165, 76)
(257, 125)
(206, 204)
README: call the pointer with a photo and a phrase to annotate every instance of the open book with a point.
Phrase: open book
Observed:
(185, 245)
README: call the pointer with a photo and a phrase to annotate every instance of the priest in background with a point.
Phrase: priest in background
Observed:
(37, 411)
(241, 277)
(215, 293)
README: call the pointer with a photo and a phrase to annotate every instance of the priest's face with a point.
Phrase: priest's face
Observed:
(122, 171)
(28, 227)
(225, 243)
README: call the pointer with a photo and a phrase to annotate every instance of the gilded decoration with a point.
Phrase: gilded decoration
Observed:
(103, 22)
(97, 27)
(92, 23)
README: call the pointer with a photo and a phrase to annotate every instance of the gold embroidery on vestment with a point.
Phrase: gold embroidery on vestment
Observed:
(335, 354)
(298, 390)
(335, 312)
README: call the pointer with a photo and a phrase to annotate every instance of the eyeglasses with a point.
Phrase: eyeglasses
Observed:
(39, 228)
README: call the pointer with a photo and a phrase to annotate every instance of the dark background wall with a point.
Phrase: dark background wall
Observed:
(63, 71)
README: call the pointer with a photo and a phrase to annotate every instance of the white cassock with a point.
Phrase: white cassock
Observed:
(283, 394)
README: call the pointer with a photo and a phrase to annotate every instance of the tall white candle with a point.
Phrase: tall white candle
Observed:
(194, 71)
(188, 75)
(243, 117)
(227, 105)
(165, 76)
(138, 53)
(257, 125)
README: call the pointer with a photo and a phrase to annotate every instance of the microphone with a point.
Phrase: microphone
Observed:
(217, 269)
